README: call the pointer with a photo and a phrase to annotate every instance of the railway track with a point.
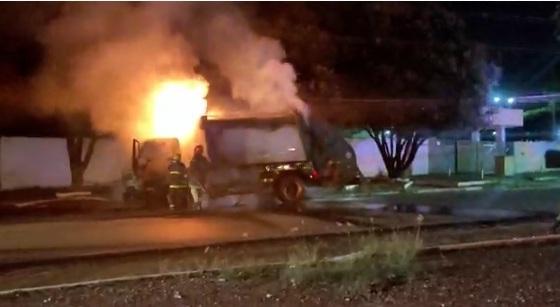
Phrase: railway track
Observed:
(425, 251)
(266, 248)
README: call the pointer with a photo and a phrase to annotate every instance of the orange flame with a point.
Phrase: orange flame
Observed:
(177, 106)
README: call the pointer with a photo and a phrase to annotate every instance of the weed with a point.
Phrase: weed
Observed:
(377, 260)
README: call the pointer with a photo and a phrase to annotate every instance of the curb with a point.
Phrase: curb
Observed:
(368, 197)
(443, 190)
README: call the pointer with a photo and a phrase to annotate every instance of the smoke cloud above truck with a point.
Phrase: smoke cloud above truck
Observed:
(108, 59)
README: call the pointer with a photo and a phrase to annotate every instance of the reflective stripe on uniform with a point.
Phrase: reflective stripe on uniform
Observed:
(178, 186)
(175, 173)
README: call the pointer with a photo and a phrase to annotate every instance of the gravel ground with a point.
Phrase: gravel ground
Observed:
(504, 277)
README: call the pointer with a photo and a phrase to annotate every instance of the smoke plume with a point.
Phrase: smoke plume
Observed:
(254, 64)
(105, 58)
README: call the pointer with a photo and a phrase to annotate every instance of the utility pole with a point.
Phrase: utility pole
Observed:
(553, 111)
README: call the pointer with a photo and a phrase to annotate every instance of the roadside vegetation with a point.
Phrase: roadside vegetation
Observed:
(375, 261)
(301, 263)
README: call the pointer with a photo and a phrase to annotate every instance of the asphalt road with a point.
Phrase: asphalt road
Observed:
(81, 236)
(546, 200)
(41, 240)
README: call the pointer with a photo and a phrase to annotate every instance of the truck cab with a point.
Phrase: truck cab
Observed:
(150, 160)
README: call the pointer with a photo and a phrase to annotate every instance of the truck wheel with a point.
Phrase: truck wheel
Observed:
(290, 189)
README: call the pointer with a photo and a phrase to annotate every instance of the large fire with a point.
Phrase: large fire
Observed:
(177, 106)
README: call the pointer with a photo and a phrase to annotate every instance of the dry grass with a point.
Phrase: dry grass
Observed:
(377, 260)
(300, 262)
(374, 261)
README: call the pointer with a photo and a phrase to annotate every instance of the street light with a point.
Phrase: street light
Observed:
(510, 100)
(496, 99)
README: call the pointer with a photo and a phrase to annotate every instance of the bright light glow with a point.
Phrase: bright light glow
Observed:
(493, 132)
(510, 100)
(387, 132)
(177, 106)
(497, 99)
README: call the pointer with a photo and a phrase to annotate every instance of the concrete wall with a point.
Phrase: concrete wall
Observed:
(421, 165)
(529, 156)
(43, 162)
(371, 163)
(33, 162)
(441, 157)
(472, 157)
(438, 157)
(107, 164)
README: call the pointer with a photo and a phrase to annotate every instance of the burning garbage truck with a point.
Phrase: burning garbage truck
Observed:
(282, 155)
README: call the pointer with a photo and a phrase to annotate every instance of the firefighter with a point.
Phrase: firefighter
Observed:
(199, 165)
(179, 190)
(198, 169)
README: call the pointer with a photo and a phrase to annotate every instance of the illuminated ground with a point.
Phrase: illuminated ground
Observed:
(505, 277)
(96, 228)
(56, 239)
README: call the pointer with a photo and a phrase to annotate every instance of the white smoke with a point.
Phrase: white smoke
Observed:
(104, 58)
(255, 65)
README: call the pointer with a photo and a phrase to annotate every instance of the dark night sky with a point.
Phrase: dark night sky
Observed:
(520, 36)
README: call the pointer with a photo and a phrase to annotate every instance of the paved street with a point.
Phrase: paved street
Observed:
(86, 234)
(53, 239)
(532, 200)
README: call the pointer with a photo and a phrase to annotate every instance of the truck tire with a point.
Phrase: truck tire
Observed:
(290, 189)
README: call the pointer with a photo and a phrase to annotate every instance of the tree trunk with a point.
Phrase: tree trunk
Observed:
(79, 161)
(398, 150)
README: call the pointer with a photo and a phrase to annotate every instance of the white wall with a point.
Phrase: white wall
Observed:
(368, 157)
(421, 165)
(441, 157)
(438, 158)
(529, 156)
(107, 163)
(33, 162)
(371, 163)
(472, 157)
